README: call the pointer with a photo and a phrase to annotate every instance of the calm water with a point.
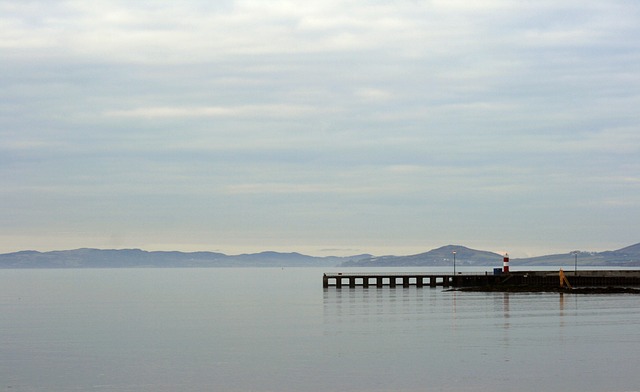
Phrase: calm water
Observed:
(279, 330)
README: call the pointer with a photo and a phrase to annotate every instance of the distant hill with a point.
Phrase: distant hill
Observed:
(625, 257)
(443, 256)
(119, 258)
(437, 257)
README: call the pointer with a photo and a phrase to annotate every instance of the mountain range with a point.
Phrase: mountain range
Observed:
(443, 256)
(137, 258)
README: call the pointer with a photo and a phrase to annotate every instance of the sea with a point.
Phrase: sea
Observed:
(278, 329)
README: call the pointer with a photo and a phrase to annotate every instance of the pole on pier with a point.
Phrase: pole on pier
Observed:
(454, 262)
(505, 263)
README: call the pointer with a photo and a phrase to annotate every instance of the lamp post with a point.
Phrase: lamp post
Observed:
(454, 262)
(575, 263)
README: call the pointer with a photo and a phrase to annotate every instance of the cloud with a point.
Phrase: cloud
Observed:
(364, 115)
(288, 188)
(373, 94)
(216, 111)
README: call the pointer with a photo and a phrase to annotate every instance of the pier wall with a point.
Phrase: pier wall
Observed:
(605, 278)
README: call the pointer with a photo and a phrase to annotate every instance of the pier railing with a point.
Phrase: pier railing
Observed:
(405, 279)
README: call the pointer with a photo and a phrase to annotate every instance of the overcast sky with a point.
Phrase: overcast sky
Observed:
(324, 127)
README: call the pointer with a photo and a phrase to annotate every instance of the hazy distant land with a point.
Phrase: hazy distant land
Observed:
(443, 256)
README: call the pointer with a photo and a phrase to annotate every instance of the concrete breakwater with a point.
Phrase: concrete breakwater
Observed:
(591, 278)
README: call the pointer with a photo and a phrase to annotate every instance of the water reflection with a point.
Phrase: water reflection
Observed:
(506, 309)
(401, 310)
(380, 304)
(411, 303)
(561, 309)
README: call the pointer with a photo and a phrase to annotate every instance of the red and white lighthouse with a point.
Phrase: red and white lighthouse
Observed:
(505, 263)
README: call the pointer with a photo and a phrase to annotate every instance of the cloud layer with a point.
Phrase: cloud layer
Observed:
(383, 126)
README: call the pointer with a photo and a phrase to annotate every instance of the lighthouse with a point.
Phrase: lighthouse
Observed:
(505, 263)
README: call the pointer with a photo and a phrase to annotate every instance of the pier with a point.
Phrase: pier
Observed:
(591, 278)
(406, 279)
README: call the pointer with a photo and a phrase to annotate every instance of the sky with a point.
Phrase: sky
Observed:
(321, 127)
